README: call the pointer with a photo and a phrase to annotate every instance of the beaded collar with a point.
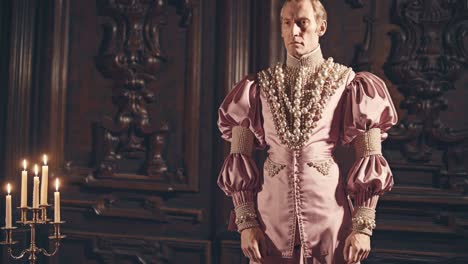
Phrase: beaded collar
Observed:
(298, 92)
(312, 59)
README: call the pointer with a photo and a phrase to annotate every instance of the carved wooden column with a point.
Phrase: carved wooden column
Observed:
(18, 35)
(58, 81)
(20, 84)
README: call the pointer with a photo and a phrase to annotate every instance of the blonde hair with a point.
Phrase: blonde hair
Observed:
(319, 9)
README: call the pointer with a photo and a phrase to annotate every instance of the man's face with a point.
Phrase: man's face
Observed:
(299, 29)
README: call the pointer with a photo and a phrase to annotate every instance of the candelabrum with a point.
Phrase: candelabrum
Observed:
(38, 217)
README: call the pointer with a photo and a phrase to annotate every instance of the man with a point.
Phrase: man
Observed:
(300, 210)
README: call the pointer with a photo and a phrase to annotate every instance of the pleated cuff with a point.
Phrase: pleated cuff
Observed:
(243, 197)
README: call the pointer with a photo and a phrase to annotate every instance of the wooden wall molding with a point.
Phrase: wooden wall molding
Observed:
(107, 248)
(143, 207)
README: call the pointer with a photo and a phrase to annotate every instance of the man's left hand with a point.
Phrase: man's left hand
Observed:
(357, 247)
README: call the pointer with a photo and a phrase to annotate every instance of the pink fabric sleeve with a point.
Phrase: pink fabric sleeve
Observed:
(368, 105)
(239, 176)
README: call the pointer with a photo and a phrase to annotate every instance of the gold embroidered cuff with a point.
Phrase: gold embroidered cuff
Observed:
(364, 220)
(246, 216)
(368, 144)
(242, 140)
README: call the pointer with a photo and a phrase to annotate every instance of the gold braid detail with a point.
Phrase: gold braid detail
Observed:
(246, 217)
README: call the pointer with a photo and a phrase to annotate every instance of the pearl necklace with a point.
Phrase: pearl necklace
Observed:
(296, 117)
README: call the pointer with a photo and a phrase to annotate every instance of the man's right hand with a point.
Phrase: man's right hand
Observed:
(252, 243)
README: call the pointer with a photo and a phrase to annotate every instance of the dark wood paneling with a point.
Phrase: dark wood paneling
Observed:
(137, 81)
(141, 117)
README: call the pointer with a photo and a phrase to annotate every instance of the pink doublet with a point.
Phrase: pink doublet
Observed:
(303, 188)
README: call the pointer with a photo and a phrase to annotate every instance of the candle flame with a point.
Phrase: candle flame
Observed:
(8, 188)
(57, 184)
(45, 160)
(36, 169)
(24, 164)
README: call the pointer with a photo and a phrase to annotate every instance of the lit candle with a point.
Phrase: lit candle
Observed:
(44, 182)
(8, 208)
(36, 187)
(24, 186)
(57, 202)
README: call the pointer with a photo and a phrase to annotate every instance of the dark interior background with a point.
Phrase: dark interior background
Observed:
(123, 95)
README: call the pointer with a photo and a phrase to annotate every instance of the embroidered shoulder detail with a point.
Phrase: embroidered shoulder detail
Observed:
(297, 97)
(322, 166)
(273, 168)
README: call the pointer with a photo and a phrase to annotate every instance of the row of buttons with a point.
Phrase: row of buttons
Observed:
(297, 196)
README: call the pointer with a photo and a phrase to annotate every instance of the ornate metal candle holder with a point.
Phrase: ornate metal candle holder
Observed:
(38, 217)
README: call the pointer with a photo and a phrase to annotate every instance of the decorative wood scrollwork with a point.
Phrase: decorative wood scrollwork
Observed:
(426, 58)
(130, 54)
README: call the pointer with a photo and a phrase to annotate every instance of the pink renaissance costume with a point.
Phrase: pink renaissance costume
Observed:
(301, 110)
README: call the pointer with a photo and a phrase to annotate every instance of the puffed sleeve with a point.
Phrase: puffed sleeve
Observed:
(239, 176)
(368, 114)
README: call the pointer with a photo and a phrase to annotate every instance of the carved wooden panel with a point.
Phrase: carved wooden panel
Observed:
(427, 57)
(133, 113)
(140, 129)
